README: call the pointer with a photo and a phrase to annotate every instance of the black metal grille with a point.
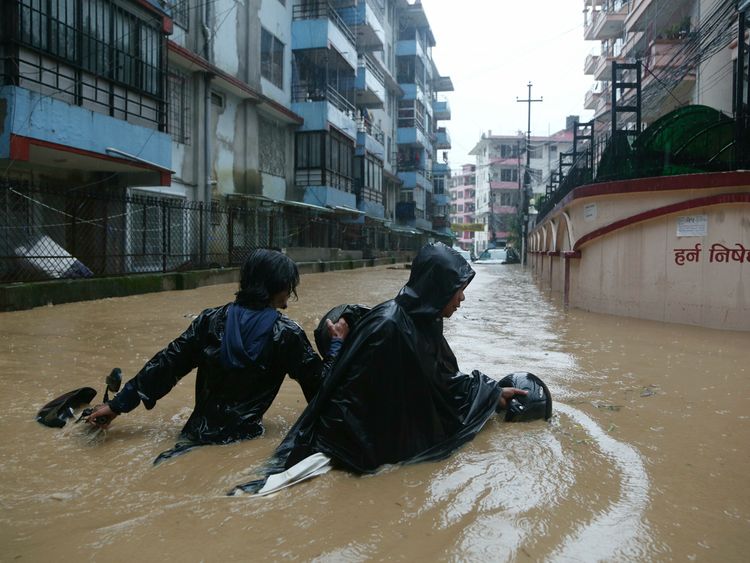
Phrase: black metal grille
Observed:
(91, 53)
(48, 233)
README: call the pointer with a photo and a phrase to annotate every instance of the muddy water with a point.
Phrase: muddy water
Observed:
(646, 458)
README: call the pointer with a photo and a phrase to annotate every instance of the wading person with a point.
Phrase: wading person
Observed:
(395, 393)
(242, 351)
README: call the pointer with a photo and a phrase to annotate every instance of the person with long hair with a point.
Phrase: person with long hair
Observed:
(242, 350)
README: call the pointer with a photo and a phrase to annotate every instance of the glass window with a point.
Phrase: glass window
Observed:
(271, 58)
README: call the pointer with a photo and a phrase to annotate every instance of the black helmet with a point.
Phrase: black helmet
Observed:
(534, 406)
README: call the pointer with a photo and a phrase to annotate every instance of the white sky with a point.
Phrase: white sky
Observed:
(491, 49)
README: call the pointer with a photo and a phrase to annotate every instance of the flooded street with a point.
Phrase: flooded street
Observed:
(645, 458)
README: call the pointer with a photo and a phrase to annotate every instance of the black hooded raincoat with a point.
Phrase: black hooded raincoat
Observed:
(395, 393)
(230, 397)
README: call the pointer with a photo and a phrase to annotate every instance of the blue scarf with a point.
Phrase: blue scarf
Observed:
(246, 333)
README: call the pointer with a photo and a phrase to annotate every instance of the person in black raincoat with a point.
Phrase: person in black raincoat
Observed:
(242, 351)
(395, 393)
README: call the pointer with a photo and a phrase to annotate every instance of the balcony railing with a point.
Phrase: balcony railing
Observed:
(307, 93)
(320, 10)
(372, 66)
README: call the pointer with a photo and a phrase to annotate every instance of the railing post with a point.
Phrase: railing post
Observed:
(201, 241)
(164, 230)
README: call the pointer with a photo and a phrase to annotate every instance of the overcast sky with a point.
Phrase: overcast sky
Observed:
(491, 49)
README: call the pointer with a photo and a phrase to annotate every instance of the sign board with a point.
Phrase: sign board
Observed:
(475, 227)
(692, 226)
(589, 212)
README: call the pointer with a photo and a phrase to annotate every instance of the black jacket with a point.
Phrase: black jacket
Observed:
(395, 393)
(229, 402)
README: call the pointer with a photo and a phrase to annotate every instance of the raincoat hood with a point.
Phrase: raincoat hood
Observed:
(437, 273)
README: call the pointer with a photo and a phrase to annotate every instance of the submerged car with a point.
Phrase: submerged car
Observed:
(498, 256)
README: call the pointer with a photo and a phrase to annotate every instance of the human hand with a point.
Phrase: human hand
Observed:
(507, 394)
(101, 416)
(339, 330)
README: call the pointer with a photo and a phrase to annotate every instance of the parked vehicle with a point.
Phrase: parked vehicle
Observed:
(465, 253)
(498, 256)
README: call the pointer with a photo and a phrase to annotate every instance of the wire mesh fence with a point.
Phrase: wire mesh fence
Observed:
(48, 233)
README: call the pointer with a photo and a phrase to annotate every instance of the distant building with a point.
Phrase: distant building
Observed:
(500, 166)
(463, 207)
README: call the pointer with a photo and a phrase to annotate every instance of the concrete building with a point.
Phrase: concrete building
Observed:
(653, 223)
(247, 123)
(687, 56)
(463, 207)
(500, 165)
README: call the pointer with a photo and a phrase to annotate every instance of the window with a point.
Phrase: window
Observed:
(180, 13)
(509, 175)
(326, 158)
(98, 36)
(179, 107)
(271, 58)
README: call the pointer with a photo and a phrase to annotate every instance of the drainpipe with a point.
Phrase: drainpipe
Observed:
(207, 188)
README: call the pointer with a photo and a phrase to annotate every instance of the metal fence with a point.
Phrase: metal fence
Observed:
(48, 233)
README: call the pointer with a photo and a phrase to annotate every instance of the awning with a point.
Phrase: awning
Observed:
(343, 210)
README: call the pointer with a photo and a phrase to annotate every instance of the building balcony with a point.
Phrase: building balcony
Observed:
(441, 110)
(412, 47)
(415, 178)
(370, 138)
(440, 200)
(321, 108)
(608, 22)
(591, 63)
(369, 32)
(369, 84)
(412, 136)
(592, 97)
(442, 139)
(43, 131)
(440, 169)
(316, 25)
(414, 91)
(656, 15)
(604, 68)
(664, 53)
(329, 197)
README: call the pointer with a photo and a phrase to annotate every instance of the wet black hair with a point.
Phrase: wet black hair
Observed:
(265, 273)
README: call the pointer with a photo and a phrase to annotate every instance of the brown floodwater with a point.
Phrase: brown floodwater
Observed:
(645, 459)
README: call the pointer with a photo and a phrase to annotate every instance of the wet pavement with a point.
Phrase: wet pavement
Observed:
(645, 458)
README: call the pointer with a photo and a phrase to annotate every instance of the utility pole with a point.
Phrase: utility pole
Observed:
(526, 177)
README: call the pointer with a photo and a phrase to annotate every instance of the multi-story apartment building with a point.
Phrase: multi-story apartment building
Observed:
(499, 171)
(462, 206)
(500, 166)
(85, 107)
(418, 136)
(685, 49)
(290, 108)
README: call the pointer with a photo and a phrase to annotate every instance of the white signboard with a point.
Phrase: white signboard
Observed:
(692, 226)
(589, 212)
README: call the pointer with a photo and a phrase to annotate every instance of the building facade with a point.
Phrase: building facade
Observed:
(281, 122)
(463, 206)
(685, 49)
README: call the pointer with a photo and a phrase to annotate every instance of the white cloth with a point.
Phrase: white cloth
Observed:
(311, 466)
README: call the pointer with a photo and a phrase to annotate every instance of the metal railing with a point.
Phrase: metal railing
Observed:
(319, 10)
(48, 233)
